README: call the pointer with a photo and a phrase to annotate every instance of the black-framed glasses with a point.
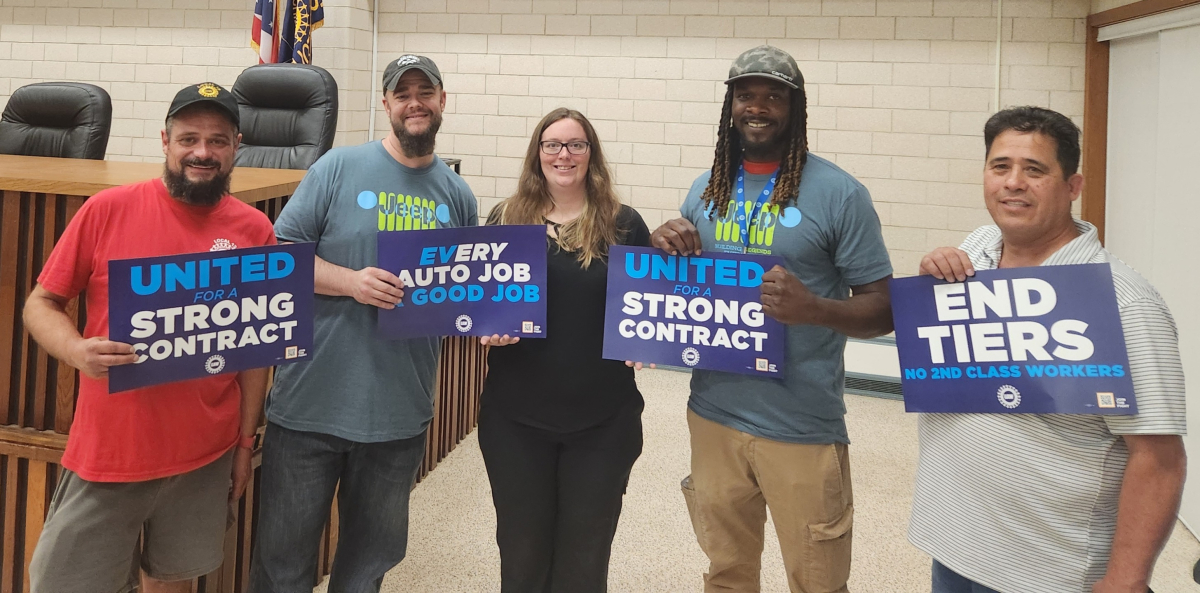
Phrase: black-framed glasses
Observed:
(576, 147)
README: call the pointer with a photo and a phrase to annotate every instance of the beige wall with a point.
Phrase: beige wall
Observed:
(141, 51)
(898, 89)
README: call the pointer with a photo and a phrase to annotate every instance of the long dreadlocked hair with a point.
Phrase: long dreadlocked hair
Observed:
(728, 155)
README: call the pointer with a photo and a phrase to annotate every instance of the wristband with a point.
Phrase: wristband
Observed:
(246, 442)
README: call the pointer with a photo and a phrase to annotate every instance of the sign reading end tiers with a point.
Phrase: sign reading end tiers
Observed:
(1040, 340)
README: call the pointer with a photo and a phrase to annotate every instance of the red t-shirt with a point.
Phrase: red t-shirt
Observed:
(162, 430)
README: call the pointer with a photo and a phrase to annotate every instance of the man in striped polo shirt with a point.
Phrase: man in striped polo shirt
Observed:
(1046, 503)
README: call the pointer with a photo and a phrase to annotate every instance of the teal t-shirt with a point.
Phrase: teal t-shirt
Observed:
(830, 238)
(357, 385)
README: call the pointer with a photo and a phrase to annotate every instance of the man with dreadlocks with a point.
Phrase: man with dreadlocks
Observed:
(759, 442)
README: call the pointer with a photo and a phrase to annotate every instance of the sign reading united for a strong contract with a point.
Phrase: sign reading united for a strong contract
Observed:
(200, 314)
(703, 311)
(1040, 340)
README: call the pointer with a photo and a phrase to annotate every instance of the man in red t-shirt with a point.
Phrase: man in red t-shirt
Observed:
(156, 461)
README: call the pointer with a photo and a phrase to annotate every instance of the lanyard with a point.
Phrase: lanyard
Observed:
(743, 224)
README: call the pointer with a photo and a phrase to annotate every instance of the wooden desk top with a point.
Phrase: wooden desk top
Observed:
(82, 177)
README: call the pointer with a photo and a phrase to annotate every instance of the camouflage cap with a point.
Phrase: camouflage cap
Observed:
(768, 62)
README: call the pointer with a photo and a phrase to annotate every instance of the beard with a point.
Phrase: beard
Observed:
(417, 145)
(196, 193)
(776, 140)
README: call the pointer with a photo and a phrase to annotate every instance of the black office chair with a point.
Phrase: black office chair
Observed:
(58, 119)
(289, 115)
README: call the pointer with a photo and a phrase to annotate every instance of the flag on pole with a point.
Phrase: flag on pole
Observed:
(262, 32)
(299, 19)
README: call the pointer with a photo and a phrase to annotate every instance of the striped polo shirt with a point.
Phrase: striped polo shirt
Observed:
(1027, 503)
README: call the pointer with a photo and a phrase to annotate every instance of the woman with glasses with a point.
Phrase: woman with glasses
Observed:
(560, 427)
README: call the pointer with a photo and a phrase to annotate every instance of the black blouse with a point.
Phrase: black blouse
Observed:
(560, 382)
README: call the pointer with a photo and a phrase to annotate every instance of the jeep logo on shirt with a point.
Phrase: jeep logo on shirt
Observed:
(400, 212)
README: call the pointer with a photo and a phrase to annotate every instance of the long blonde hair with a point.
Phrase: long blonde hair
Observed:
(596, 227)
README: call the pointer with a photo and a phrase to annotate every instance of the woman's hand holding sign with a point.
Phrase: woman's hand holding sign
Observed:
(947, 263)
(498, 340)
(677, 237)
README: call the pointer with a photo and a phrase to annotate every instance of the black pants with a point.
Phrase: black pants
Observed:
(558, 498)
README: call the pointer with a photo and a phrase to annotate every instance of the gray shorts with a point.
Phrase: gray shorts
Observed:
(90, 541)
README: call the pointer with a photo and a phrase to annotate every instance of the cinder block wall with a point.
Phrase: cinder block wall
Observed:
(143, 51)
(140, 51)
(898, 90)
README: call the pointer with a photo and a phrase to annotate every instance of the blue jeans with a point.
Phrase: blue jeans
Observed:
(948, 581)
(300, 472)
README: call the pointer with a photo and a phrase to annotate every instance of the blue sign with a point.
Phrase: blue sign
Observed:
(473, 281)
(704, 312)
(200, 314)
(1039, 340)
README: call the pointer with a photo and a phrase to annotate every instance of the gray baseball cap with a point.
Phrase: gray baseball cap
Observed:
(768, 62)
(396, 68)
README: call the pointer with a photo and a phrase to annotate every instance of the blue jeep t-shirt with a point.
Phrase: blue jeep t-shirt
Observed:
(830, 239)
(359, 386)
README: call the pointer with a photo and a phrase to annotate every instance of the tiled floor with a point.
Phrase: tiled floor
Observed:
(451, 547)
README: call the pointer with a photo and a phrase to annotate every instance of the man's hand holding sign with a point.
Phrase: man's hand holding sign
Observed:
(369, 286)
(94, 356)
(786, 299)
(947, 263)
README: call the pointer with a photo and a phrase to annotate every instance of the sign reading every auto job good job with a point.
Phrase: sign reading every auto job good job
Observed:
(200, 314)
(701, 311)
(473, 281)
(1039, 340)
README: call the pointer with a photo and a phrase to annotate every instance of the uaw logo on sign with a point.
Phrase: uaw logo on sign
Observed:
(477, 281)
(463, 323)
(1040, 340)
(1009, 396)
(704, 311)
(199, 314)
(215, 364)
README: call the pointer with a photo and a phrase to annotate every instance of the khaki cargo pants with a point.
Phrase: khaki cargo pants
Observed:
(736, 476)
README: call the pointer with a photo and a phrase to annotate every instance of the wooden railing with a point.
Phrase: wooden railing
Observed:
(38, 394)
